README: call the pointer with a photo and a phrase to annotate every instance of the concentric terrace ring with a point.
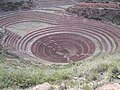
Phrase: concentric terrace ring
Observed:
(70, 39)
(63, 47)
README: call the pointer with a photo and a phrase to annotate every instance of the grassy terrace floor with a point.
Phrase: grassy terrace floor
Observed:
(23, 74)
(23, 28)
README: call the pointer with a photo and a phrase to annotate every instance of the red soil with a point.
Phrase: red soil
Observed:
(98, 5)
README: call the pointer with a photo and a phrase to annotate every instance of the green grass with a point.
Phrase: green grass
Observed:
(25, 74)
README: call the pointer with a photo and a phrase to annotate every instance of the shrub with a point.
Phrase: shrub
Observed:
(86, 87)
(102, 68)
(113, 71)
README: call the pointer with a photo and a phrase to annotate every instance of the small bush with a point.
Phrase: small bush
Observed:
(102, 68)
(92, 76)
(113, 71)
(86, 87)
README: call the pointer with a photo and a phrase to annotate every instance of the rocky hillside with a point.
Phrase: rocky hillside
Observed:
(103, 14)
(11, 6)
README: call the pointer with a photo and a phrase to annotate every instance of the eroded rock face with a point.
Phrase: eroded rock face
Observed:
(114, 86)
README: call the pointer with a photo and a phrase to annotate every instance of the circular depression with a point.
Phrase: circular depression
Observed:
(63, 47)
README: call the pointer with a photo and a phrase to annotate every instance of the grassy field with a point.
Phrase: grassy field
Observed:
(23, 74)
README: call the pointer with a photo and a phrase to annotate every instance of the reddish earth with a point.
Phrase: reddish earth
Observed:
(98, 5)
(71, 39)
